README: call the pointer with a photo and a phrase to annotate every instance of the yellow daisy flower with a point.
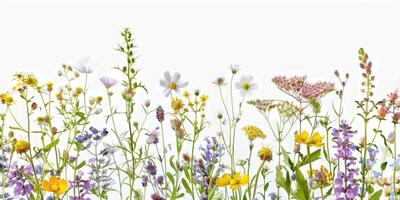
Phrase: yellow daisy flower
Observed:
(223, 181)
(177, 104)
(21, 146)
(265, 154)
(238, 181)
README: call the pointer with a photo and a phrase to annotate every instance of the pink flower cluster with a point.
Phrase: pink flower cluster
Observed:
(301, 90)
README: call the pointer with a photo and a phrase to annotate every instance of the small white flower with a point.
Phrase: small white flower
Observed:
(246, 86)
(85, 65)
(172, 83)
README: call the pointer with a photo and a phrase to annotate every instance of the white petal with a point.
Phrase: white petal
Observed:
(243, 93)
(176, 77)
(164, 83)
(167, 76)
(238, 85)
(182, 85)
(167, 92)
(254, 86)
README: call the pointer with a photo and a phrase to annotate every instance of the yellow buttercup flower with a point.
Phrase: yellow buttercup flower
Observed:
(203, 98)
(186, 94)
(238, 181)
(176, 104)
(55, 185)
(21, 146)
(314, 140)
(265, 154)
(223, 181)
(253, 132)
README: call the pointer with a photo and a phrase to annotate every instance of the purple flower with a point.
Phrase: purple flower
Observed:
(160, 180)
(153, 137)
(145, 180)
(345, 185)
(82, 184)
(151, 168)
(156, 196)
(17, 179)
(108, 82)
(160, 114)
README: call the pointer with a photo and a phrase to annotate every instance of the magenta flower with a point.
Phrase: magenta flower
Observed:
(108, 82)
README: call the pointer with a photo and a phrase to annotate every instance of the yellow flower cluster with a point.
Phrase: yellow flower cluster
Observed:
(6, 99)
(235, 181)
(313, 140)
(253, 132)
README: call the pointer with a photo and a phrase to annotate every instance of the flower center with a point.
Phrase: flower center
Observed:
(172, 86)
(246, 86)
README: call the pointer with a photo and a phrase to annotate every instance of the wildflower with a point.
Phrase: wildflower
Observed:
(30, 80)
(172, 83)
(83, 186)
(321, 178)
(85, 65)
(382, 112)
(160, 180)
(186, 94)
(287, 109)
(160, 114)
(396, 117)
(151, 168)
(238, 181)
(55, 185)
(224, 180)
(6, 99)
(49, 86)
(17, 179)
(21, 146)
(145, 180)
(153, 137)
(253, 132)
(262, 104)
(176, 124)
(345, 185)
(265, 154)
(234, 69)
(177, 104)
(203, 99)
(245, 85)
(301, 90)
(108, 82)
(314, 140)
(156, 196)
(220, 81)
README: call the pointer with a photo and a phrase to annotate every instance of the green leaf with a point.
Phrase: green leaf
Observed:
(171, 178)
(48, 147)
(383, 166)
(280, 180)
(302, 191)
(309, 159)
(286, 159)
(186, 185)
(376, 195)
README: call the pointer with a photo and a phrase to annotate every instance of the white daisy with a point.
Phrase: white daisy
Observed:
(172, 83)
(245, 85)
(85, 65)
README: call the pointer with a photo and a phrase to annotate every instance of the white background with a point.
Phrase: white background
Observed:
(200, 40)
